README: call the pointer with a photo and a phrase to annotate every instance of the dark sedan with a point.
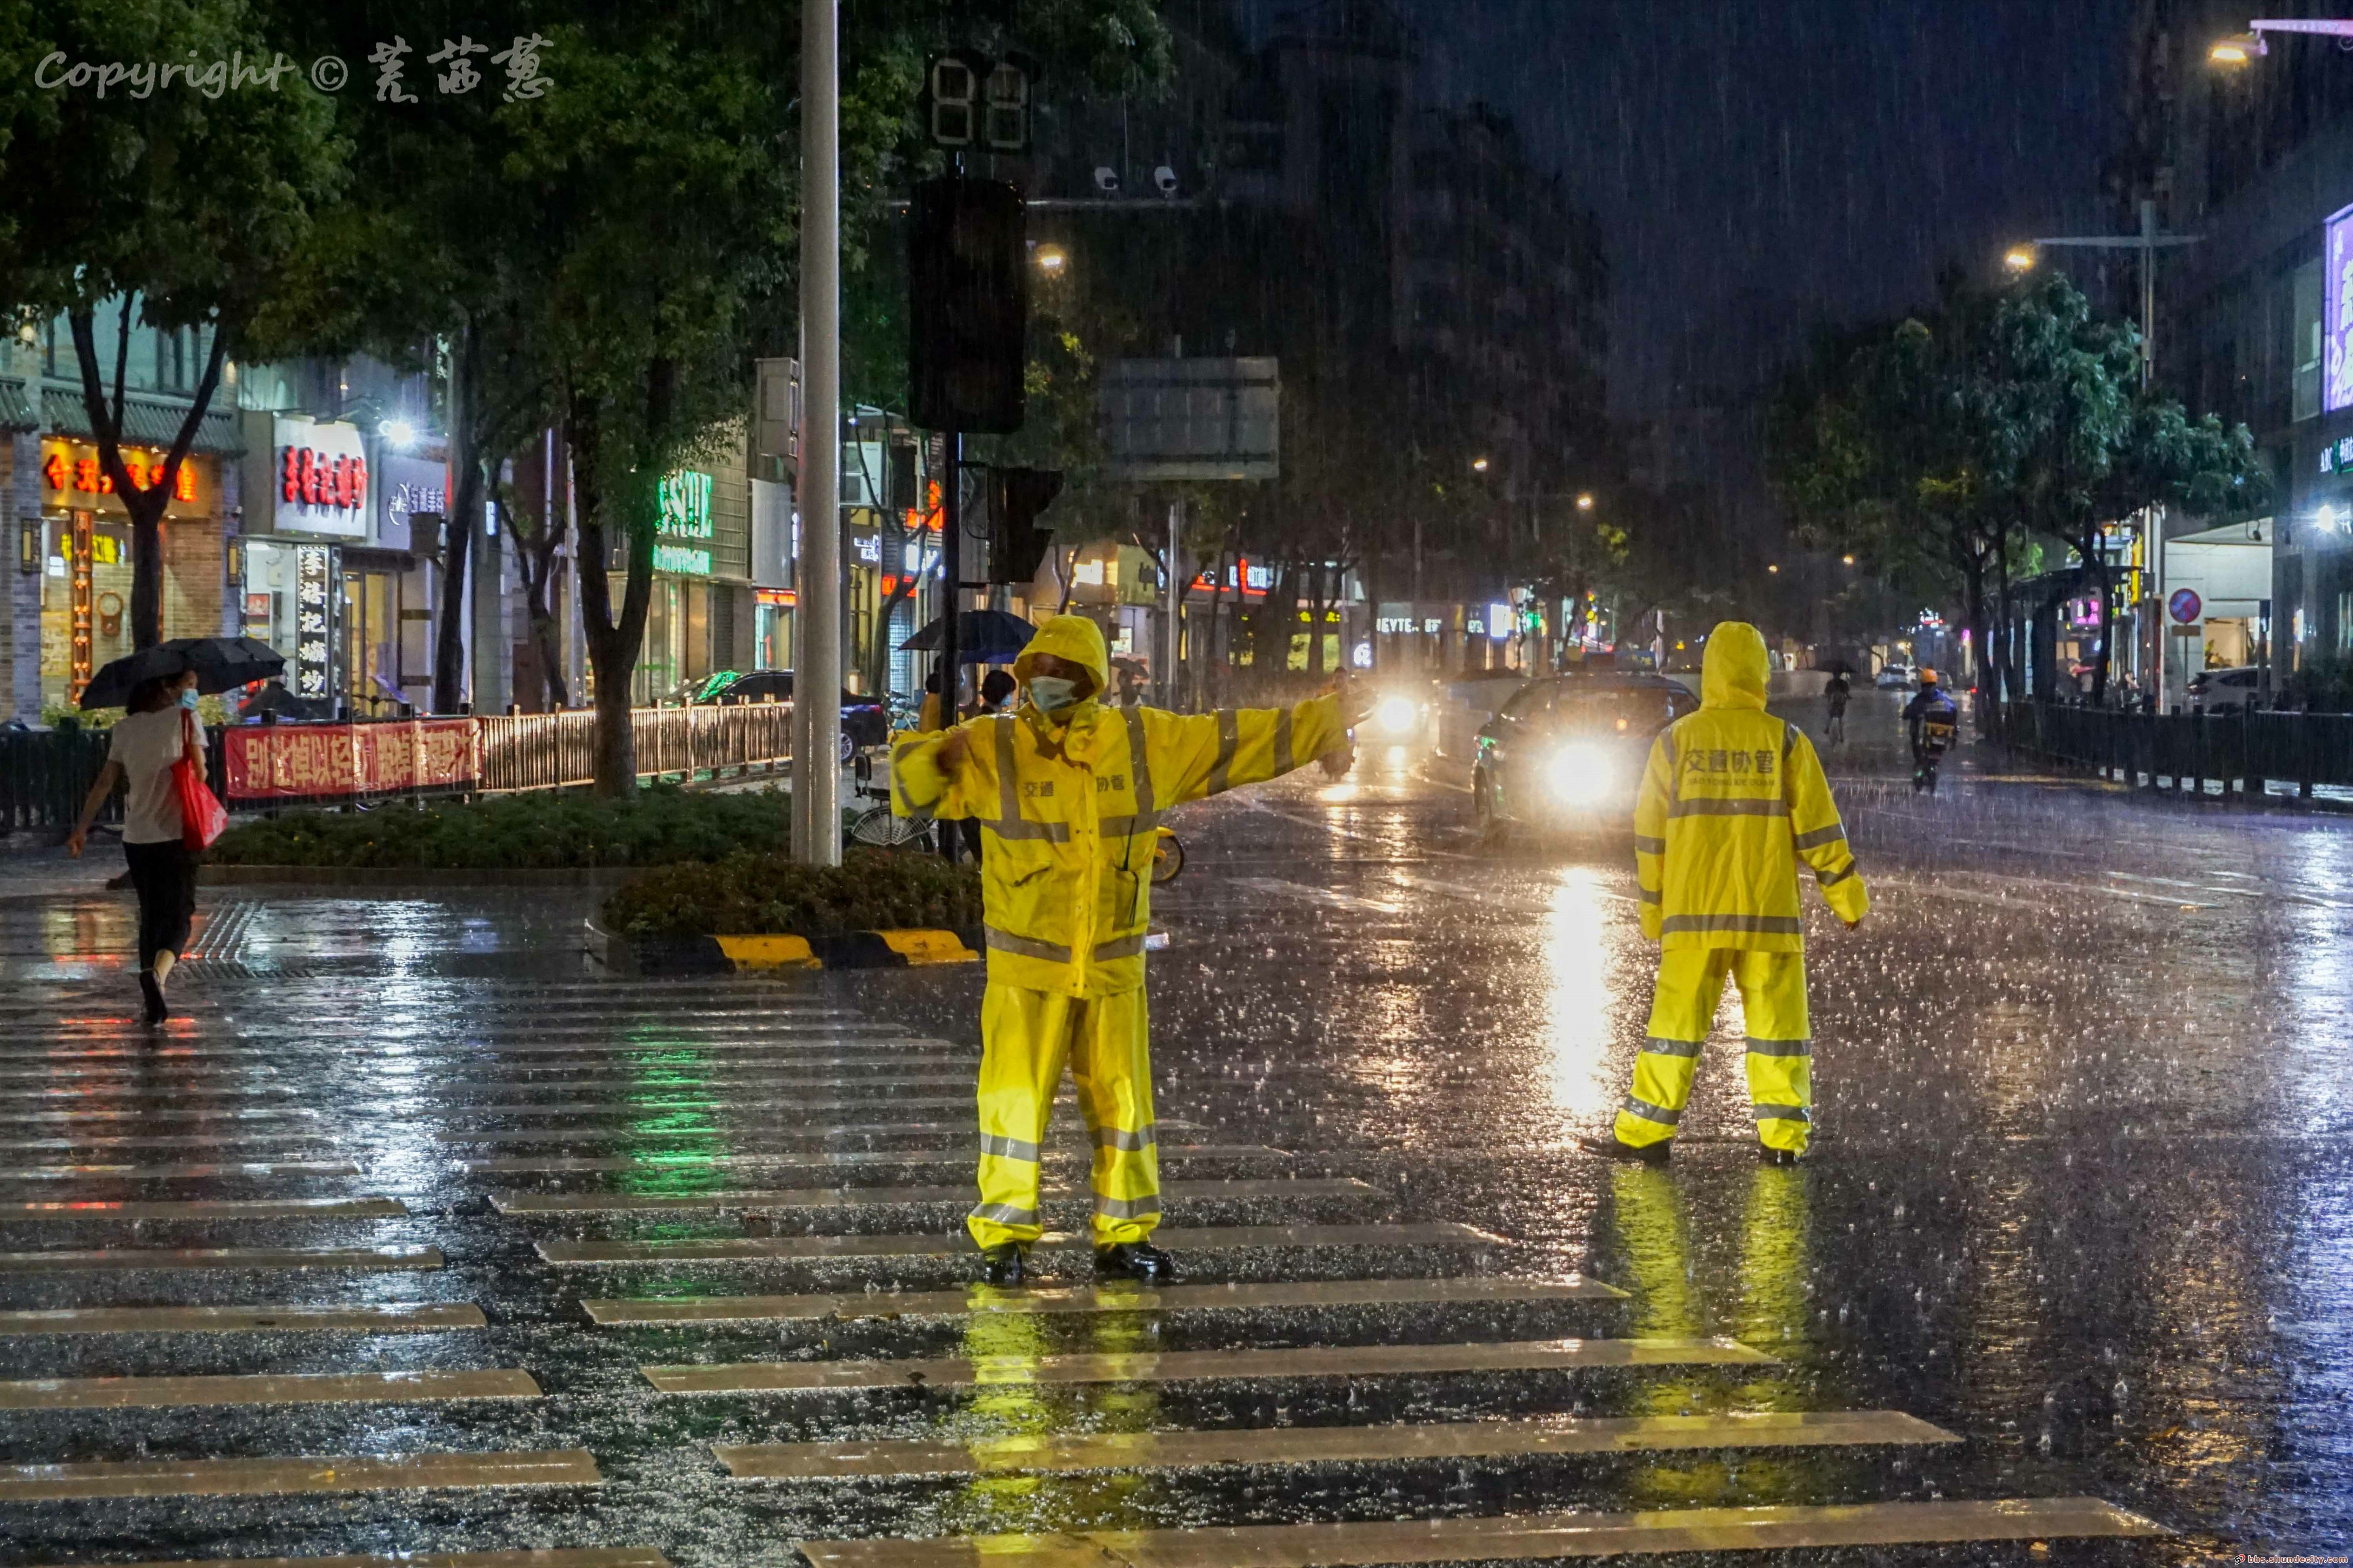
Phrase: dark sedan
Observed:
(1568, 751)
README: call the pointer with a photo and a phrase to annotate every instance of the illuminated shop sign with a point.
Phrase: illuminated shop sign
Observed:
(321, 478)
(72, 469)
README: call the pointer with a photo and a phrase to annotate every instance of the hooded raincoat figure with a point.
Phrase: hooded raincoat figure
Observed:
(1068, 794)
(1733, 799)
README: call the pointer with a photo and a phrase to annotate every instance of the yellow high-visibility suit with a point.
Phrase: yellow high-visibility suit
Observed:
(1731, 800)
(1068, 811)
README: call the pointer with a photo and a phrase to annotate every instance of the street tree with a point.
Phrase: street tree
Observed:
(185, 205)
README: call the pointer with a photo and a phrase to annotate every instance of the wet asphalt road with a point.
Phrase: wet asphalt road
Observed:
(2079, 1199)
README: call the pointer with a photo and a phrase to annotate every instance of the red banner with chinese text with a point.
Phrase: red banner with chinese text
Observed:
(281, 762)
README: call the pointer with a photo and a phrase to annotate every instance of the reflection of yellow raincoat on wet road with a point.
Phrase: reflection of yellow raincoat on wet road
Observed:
(1732, 800)
(1068, 811)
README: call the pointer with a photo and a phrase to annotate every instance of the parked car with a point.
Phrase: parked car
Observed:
(2226, 690)
(864, 719)
(1894, 677)
(1568, 751)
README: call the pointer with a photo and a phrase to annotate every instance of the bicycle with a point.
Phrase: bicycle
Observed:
(1167, 856)
(880, 827)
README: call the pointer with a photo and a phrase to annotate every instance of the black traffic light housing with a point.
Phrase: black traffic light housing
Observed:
(968, 305)
(1016, 543)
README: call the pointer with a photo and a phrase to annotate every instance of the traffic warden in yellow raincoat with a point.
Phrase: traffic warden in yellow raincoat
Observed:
(1068, 794)
(1732, 800)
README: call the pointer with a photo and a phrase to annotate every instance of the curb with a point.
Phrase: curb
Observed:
(907, 949)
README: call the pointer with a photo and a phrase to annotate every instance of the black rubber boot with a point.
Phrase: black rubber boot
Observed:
(1646, 1155)
(1006, 1264)
(1138, 1260)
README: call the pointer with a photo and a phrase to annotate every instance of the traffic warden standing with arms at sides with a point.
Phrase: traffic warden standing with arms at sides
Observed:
(1068, 793)
(1732, 800)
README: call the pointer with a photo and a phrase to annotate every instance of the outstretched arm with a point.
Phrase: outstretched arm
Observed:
(1196, 754)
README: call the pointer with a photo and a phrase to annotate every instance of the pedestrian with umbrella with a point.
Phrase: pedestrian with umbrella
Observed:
(157, 750)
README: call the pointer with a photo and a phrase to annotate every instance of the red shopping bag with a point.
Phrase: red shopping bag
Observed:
(203, 818)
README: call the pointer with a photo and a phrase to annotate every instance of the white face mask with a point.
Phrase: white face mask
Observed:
(1052, 694)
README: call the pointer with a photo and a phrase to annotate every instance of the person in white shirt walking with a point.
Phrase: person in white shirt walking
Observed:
(161, 726)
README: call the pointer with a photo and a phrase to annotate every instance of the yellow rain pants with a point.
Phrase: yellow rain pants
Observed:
(1026, 1038)
(1781, 1043)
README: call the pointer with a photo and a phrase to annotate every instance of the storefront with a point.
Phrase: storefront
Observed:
(701, 618)
(85, 545)
(312, 588)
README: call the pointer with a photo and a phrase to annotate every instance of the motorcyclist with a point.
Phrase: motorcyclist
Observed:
(1931, 705)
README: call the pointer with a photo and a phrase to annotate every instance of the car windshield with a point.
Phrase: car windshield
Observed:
(1642, 709)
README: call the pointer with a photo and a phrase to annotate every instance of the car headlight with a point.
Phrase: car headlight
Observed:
(1398, 715)
(1581, 773)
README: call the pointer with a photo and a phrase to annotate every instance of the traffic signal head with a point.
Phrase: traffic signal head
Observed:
(1017, 545)
(969, 305)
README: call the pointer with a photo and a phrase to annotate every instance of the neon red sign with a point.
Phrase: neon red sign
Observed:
(314, 479)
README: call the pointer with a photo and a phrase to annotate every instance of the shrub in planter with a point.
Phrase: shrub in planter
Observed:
(542, 829)
(773, 895)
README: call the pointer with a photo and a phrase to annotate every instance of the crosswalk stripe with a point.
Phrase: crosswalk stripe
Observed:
(1323, 1444)
(386, 1259)
(181, 1172)
(1186, 1367)
(207, 1208)
(143, 1088)
(150, 1113)
(722, 1099)
(936, 1053)
(272, 1388)
(1208, 1238)
(256, 1142)
(692, 1159)
(980, 1299)
(1521, 1538)
(852, 1197)
(531, 1557)
(680, 1122)
(419, 1317)
(320, 1473)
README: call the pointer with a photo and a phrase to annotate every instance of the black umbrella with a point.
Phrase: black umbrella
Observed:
(983, 636)
(222, 664)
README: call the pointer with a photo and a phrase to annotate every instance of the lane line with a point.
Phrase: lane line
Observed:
(422, 1317)
(1208, 1238)
(269, 1388)
(691, 1160)
(518, 1202)
(1322, 1445)
(980, 1299)
(1189, 1366)
(374, 1259)
(283, 1477)
(1524, 1538)
(207, 1208)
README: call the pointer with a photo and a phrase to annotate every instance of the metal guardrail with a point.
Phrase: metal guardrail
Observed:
(555, 751)
(2246, 748)
(46, 774)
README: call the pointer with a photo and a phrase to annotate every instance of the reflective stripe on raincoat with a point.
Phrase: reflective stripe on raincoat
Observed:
(1068, 811)
(1732, 800)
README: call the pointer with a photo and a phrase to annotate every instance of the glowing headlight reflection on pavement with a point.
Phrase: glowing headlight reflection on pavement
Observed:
(1580, 774)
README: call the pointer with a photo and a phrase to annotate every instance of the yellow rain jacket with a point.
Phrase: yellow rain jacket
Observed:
(1731, 799)
(1068, 811)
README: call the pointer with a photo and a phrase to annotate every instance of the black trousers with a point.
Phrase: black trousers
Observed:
(165, 876)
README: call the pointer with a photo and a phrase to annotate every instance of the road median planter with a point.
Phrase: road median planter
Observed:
(880, 910)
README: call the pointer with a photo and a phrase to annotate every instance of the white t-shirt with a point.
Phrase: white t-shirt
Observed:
(147, 744)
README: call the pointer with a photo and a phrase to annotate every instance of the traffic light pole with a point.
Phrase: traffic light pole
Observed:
(816, 680)
(1173, 595)
(951, 579)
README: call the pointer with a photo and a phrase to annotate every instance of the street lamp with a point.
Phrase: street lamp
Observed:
(1848, 559)
(1477, 464)
(1050, 259)
(2148, 241)
(2245, 48)
(1585, 500)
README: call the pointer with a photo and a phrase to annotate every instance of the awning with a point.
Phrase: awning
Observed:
(15, 413)
(147, 421)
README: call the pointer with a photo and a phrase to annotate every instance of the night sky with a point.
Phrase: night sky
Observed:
(1759, 165)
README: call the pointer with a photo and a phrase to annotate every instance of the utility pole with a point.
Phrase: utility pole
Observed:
(816, 684)
(2148, 242)
(1173, 595)
(952, 579)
